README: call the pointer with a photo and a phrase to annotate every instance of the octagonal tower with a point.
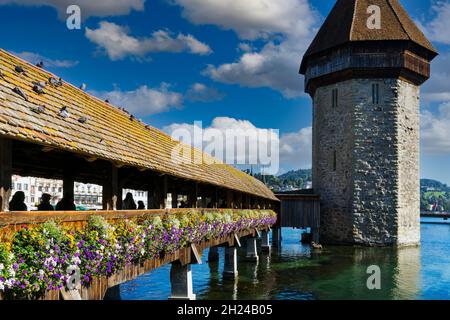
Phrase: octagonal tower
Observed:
(363, 71)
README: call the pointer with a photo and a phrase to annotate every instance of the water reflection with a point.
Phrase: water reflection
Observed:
(292, 271)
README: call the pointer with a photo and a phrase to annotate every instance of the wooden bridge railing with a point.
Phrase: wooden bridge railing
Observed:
(191, 254)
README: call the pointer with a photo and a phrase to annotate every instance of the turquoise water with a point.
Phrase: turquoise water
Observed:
(294, 272)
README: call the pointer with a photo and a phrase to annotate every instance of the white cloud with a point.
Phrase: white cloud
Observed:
(275, 66)
(144, 101)
(294, 148)
(202, 93)
(437, 88)
(35, 58)
(251, 19)
(286, 27)
(88, 8)
(118, 44)
(435, 131)
(438, 29)
(245, 47)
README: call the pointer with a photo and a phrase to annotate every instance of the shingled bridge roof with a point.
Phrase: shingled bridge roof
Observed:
(108, 133)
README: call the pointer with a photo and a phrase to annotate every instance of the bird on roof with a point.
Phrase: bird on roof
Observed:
(82, 120)
(83, 86)
(38, 89)
(20, 69)
(106, 100)
(40, 64)
(63, 112)
(54, 82)
(132, 117)
(41, 84)
(39, 109)
(21, 93)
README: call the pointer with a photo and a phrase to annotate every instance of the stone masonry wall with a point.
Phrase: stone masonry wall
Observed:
(372, 197)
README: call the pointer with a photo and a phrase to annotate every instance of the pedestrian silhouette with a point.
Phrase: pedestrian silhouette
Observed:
(45, 204)
(141, 205)
(17, 202)
(128, 202)
(66, 204)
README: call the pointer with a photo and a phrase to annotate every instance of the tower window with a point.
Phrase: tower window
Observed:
(334, 98)
(375, 93)
(334, 160)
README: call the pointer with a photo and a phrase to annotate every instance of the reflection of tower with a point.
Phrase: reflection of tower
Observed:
(407, 275)
(364, 80)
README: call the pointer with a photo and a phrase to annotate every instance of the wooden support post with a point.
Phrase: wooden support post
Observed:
(239, 202)
(174, 195)
(215, 198)
(5, 173)
(181, 282)
(247, 204)
(151, 198)
(230, 199)
(160, 192)
(213, 254)
(68, 185)
(193, 196)
(230, 270)
(112, 191)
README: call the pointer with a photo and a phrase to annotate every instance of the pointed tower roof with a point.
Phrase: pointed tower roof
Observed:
(347, 22)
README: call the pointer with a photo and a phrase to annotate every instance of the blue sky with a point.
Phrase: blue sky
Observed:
(226, 63)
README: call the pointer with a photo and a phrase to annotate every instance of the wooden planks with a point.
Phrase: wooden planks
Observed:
(300, 211)
(5, 173)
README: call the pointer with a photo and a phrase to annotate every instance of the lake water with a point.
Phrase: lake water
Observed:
(292, 272)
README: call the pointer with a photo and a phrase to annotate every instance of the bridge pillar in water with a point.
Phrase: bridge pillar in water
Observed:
(181, 282)
(265, 244)
(276, 237)
(230, 270)
(315, 235)
(113, 293)
(213, 254)
(252, 250)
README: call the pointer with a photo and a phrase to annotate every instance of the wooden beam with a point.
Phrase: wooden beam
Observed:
(239, 203)
(174, 199)
(112, 192)
(5, 173)
(230, 199)
(193, 195)
(215, 198)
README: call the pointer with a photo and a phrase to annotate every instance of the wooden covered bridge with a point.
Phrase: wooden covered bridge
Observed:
(52, 129)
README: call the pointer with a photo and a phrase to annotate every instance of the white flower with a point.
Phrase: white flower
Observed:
(12, 272)
(102, 247)
(2, 266)
(142, 251)
(2, 286)
(9, 283)
(41, 272)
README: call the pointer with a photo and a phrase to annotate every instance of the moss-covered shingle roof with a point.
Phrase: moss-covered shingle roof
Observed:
(108, 132)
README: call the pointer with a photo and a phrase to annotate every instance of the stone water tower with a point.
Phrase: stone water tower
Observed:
(363, 71)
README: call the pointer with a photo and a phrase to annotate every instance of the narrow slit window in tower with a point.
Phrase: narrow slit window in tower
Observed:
(334, 160)
(375, 93)
(334, 98)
